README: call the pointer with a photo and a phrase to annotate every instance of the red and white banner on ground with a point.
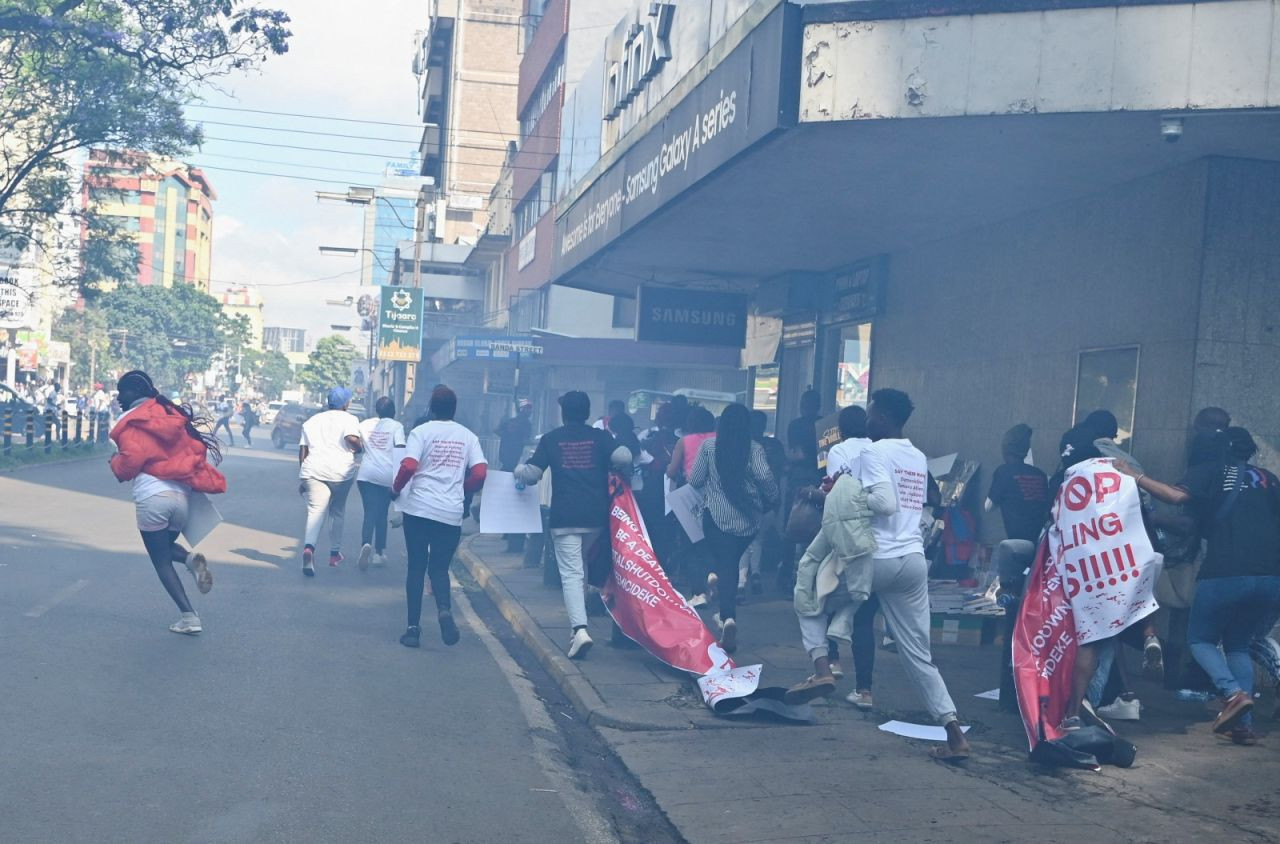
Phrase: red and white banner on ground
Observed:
(1094, 575)
(649, 610)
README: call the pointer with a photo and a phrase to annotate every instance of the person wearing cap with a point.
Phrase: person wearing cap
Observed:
(580, 458)
(327, 452)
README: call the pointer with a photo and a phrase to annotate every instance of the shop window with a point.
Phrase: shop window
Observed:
(1107, 379)
(853, 364)
(764, 394)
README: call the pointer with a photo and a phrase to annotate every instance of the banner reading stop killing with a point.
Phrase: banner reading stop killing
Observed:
(1094, 575)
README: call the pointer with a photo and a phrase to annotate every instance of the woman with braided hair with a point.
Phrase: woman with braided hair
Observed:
(166, 456)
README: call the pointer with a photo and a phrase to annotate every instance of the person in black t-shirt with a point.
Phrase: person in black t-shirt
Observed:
(579, 457)
(1020, 490)
(1238, 588)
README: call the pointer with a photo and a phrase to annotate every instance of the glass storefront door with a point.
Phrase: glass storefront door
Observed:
(849, 363)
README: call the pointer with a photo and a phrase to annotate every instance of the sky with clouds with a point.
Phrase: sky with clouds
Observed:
(347, 60)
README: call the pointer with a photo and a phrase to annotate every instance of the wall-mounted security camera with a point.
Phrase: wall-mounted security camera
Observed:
(1171, 129)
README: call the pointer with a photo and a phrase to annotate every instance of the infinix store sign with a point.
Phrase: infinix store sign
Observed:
(634, 54)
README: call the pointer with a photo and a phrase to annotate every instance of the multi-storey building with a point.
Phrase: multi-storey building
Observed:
(167, 205)
(246, 302)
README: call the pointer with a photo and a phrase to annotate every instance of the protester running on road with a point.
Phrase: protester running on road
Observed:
(895, 475)
(166, 457)
(579, 457)
(249, 419)
(1238, 587)
(733, 475)
(225, 411)
(327, 454)
(442, 463)
(384, 443)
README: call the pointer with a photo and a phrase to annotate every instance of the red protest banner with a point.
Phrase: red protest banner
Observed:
(1044, 650)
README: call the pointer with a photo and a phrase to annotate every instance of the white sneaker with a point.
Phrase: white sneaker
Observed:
(1121, 710)
(379, 561)
(199, 568)
(862, 700)
(716, 618)
(189, 624)
(579, 644)
(366, 556)
(699, 600)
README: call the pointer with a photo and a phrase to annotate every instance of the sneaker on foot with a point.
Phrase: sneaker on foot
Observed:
(309, 562)
(580, 643)
(366, 557)
(335, 558)
(379, 560)
(199, 568)
(188, 625)
(448, 628)
(862, 699)
(698, 600)
(1121, 710)
(1234, 709)
(713, 581)
(729, 636)
(811, 689)
(836, 670)
(412, 637)
(1070, 725)
(1153, 658)
(889, 644)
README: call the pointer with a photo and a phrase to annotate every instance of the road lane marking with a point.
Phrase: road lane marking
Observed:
(595, 829)
(58, 597)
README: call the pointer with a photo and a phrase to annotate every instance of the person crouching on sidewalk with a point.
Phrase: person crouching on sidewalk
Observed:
(579, 457)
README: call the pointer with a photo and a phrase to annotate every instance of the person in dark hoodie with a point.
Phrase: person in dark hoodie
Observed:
(166, 457)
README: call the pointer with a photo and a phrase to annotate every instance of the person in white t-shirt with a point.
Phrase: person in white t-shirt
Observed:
(442, 464)
(383, 439)
(327, 452)
(895, 475)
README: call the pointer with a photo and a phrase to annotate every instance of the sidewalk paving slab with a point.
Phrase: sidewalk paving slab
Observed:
(841, 779)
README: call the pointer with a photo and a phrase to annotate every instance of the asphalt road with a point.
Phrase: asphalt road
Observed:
(296, 716)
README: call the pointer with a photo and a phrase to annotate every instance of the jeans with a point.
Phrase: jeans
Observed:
(430, 546)
(571, 560)
(376, 499)
(726, 552)
(1108, 650)
(1230, 611)
(325, 497)
(902, 583)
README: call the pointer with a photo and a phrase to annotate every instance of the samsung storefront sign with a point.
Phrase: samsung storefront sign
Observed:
(691, 317)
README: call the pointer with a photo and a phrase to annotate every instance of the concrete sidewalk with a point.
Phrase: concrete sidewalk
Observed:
(842, 779)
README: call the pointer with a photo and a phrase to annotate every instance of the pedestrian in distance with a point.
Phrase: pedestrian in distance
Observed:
(225, 411)
(249, 419)
(617, 407)
(753, 560)
(732, 472)
(895, 475)
(165, 456)
(327, 456)
(579, 458)
(691, 566)
(442, 463)
(384, 443)
(1238, 588)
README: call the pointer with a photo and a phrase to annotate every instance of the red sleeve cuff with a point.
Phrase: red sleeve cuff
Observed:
(475, 478)
(407, 467)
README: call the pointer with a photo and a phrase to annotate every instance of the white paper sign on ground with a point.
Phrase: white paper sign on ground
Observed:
(686, 503)
(994, 694)
(507, 509)
(917, 731)
(202, 518)
(736, 682)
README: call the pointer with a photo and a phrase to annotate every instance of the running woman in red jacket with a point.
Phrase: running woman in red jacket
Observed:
(166, 457)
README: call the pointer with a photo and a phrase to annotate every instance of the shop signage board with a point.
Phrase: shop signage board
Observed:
(15, 303)
(691, 317)
(400, 324)
(749, 95)
(797, 335)
(857, 292)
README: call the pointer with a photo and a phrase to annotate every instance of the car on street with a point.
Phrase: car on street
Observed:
(273, 410)
(287, 429)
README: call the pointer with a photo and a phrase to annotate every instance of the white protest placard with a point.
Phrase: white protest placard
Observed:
(1102, 550)
(917, 731)
(202, 518)
(686, 503)
(666, 495)
(506, 509)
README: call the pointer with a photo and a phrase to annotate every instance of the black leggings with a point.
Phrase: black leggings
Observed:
(376, 499)
(864, 643)
(163, 549)
(430, 546)
(726, 552)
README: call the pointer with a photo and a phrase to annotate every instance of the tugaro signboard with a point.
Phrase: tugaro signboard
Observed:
(749, 94)
(400, 324)
(691, 317)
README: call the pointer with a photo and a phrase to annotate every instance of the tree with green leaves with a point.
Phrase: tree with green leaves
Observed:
(329, 365)
(171, 332)
(271, 370)
(76, 74)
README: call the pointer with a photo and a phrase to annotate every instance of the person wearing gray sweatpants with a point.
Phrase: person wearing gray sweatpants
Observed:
(895, 475)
